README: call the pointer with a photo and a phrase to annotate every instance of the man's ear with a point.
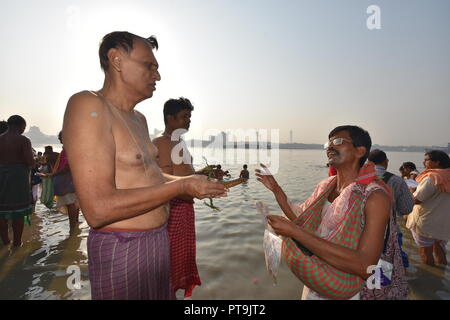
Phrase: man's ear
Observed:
(361, 151)
(169, 117)
(114, 58)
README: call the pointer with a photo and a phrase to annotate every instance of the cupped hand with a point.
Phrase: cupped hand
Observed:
(198, 186)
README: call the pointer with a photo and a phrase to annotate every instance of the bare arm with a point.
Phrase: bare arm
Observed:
(357, 261)
(164, 150)
(28, 152)
(164, 160)
(90, 147)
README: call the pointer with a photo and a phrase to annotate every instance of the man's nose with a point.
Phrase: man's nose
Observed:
(157, 76)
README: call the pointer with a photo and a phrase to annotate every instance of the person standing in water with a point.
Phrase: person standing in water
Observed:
(429, 221)
(244, 173)
(123, 193)
(332, 239)
(66, 199)
(16, 160)
(177, 118)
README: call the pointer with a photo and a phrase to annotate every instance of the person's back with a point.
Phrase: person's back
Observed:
(429, 222)
(16, 159)
(14, 148)
(431, 215)
(404, 201)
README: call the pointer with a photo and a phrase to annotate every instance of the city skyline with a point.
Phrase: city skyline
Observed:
(308, 66)
(35, 134)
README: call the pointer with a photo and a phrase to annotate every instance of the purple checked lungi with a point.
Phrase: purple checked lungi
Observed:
(129, 265)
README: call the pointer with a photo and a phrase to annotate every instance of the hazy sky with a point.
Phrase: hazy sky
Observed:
(302, 65)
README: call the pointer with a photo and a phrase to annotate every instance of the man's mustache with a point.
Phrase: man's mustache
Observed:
(333, 150)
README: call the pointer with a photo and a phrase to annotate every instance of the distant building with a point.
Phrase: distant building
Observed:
(224, 139)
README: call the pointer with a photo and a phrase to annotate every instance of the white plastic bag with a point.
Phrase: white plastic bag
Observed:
(271, 243)
(272, 252)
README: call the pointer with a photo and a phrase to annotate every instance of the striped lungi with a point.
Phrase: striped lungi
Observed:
(130, 265)
(181, 227)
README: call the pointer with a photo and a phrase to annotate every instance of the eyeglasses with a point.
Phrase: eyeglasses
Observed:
(335, 142)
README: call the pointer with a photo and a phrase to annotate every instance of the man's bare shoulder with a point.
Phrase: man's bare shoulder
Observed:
(162, 142)
(86, 113)
(85, 101)
(140, 115)
(25, 140)
(16, 139)
(87, 110)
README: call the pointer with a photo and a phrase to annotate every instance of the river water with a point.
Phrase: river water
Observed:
(230, 256)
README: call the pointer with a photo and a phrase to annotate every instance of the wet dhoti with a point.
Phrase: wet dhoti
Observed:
(15, 191)
(129, 265)
(184, 272)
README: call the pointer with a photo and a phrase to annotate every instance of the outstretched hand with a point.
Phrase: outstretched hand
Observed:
(266, 178)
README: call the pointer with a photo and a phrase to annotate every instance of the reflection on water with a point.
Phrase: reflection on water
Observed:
(230, 256)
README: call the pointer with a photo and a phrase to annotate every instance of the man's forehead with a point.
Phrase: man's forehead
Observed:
(341, 134)
(142, 49)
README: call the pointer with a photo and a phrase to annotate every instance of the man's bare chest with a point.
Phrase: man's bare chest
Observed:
(133, 145)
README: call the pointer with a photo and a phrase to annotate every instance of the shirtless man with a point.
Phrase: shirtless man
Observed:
(184, 272)
(219, 173)
(16, 159)
(245, 174)
(122, 192)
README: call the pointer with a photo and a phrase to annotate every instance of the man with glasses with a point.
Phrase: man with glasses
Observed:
(338, 233)
(123, 193)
